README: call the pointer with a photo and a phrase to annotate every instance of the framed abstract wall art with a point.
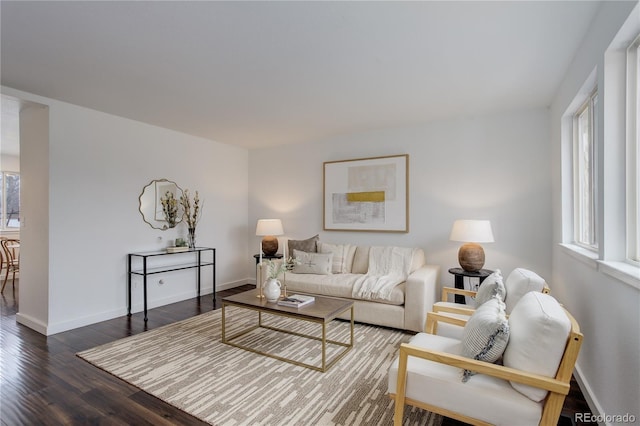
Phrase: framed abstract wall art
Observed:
(367, 194)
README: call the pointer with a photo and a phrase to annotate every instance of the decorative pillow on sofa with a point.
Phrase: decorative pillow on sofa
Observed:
(486, 334)
(312, 263)
(309, 245)
(491, 286)
(539, 332)
(361, 260)
(342, 256)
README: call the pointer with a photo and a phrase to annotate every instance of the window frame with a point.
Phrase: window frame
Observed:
(633, 152)
(4, 226)
(590, 105)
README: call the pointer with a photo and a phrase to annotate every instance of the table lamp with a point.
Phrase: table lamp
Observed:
(471, 232)
(268, 229)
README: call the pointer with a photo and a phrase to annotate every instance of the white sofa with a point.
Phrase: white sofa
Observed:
(406, 307)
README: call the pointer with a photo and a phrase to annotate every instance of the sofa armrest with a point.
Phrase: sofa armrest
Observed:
(420, 295)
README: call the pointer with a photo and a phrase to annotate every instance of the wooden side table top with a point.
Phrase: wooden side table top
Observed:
(482, 273)
(265, 256)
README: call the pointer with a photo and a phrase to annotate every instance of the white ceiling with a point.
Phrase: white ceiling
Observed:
(259, 74)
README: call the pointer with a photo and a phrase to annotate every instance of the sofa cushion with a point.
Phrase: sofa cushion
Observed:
(520, 282)
(312, 263)
(342, 256)
(309, 245)
(539, 332)
(418, 260)
(492, 286)
(486, 334)
(361, 260)
(338, 285)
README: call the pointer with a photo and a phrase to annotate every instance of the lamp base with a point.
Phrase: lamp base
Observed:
(269, 245)
(471, 257)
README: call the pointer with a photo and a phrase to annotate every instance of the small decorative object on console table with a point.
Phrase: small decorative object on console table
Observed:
(177, 249)
(191, 217)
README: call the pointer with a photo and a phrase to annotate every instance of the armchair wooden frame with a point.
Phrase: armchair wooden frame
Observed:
(557, 386)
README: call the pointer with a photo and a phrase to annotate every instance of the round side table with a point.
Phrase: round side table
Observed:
(459, 275)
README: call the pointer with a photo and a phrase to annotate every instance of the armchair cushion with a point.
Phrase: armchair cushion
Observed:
(539, 332)
(520, 282)
(491, 286)
(342, 256)
(312, 263)
(478, 398)
(486, 334)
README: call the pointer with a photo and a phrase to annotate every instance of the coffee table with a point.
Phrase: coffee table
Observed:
(322, 311)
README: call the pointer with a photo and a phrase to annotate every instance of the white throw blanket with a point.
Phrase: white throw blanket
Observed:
(388, 267)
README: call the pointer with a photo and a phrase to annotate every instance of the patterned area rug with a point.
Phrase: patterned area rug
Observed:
(186, 365)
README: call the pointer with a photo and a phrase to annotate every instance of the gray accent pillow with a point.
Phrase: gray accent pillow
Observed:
(309, 245)
(491, 286)
(486, 334)
(312, 263)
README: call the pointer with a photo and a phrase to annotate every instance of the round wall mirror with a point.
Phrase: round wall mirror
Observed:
(151, 203)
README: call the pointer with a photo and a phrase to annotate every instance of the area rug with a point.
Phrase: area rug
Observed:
(186, 365)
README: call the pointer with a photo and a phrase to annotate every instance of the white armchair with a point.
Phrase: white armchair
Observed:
(519, 282)
(529, 389)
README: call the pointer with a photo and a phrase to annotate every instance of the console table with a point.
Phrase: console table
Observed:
(144, 270)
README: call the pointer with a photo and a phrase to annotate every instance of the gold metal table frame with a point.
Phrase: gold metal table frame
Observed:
(272, 308)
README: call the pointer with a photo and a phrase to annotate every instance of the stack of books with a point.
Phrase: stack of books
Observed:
(296, 301)
(177, 249)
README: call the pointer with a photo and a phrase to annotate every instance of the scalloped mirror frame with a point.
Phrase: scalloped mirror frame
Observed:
(150, 201)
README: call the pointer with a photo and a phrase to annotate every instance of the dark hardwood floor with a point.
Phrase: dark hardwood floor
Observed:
(42, 381)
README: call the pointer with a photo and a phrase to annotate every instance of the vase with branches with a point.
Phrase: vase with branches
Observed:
(191, 214)
(170, 208)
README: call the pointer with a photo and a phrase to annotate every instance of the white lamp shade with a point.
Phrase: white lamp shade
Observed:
(472, 231)
(269, 227)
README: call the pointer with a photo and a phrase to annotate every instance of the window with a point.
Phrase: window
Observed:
(633, 151)
(584, 179)
(10, 200)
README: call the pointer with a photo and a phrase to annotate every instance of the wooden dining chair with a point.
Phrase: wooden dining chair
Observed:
(11, 260)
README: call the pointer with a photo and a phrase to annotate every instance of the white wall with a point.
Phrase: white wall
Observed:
(9, 163)
(493, 167)
(606, 308)
(98, 165)
(34, 199)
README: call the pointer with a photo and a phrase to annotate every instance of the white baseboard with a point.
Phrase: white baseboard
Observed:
(83, 321)
(587, 391)
(32, 323)
(49, 329)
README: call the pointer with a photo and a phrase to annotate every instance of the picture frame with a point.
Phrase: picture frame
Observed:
(367, 194)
